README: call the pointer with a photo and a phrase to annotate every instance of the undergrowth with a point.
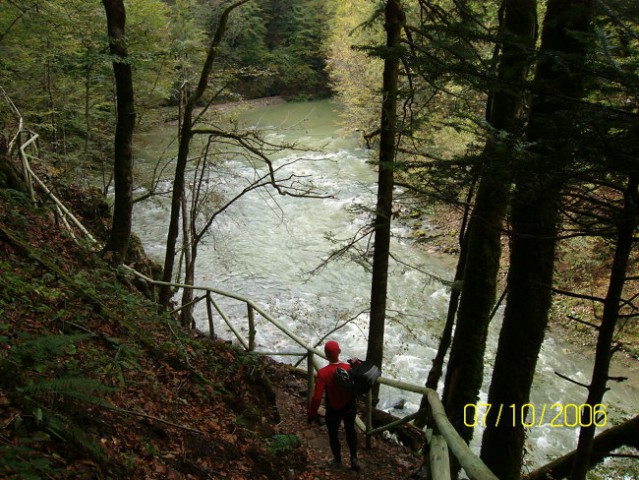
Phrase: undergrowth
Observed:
(96, 383)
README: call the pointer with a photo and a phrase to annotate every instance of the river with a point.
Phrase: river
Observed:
(267, 247)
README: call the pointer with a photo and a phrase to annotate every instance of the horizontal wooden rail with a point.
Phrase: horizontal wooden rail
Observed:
(31, 174)
(471, 463)
(233, 296)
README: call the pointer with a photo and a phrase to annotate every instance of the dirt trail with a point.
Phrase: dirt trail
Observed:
(384, 460)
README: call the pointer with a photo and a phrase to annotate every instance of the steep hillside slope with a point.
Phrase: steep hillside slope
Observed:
(95, 383)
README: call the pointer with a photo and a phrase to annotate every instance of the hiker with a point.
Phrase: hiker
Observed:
(340, 406)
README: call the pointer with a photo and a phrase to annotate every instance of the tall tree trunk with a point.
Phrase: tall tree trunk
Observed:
(183, 153)
(535, 207)
(190, 251)
(387, 150)
(465, 369)
(612, 304)
(123, 163)
(436, 371)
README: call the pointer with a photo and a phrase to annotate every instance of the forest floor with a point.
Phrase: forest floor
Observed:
(96, 384)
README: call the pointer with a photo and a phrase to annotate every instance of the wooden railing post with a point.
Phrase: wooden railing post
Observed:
(25, 165)
(369, 417)
(438, 457)
(251, 325)
(310, 377)
(209, 312)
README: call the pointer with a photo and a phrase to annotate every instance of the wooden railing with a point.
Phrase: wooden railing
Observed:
(441, 436)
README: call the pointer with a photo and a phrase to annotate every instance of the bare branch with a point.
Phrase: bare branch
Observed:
(330, 332)
(151, 417)
(365, 231)
(583, 322)
(252, 143)
(441, 280)
(578, 295)
(571, 380)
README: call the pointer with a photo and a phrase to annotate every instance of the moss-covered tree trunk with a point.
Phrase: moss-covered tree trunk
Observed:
(9, 176)
(627, 225)
(123, 144)
(387, 151)
(465, 369)
(535, 209)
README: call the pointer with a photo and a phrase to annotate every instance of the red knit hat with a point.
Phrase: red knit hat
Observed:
(332, 350)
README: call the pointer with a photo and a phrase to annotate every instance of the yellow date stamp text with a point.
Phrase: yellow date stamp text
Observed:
(528, 415)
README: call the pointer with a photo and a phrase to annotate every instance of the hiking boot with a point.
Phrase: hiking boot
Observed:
(355, 464)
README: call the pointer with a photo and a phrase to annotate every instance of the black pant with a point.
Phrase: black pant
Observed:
(333, 420)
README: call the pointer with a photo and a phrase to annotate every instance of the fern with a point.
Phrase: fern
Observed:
(42, 349)
(37, 373)
(17, 461)
(81, 389)
(68, 429)
(282, 444)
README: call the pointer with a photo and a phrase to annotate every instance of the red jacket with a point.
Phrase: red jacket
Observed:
(336, 397)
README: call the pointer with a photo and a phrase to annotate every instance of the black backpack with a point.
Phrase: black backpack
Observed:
(359, 379)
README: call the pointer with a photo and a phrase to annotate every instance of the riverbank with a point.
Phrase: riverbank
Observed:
(443, 235)
(573, 338)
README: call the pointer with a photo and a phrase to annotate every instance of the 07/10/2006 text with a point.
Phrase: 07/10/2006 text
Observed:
(556, 415)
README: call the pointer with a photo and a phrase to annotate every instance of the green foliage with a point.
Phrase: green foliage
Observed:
(56, 68)
(17, 197)
(39, 380)
(24, 463)
(276, 46)
(187, 46)
(85, 390)
(282, 444)
(15, 288)
(355, 77)
(39, 350)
